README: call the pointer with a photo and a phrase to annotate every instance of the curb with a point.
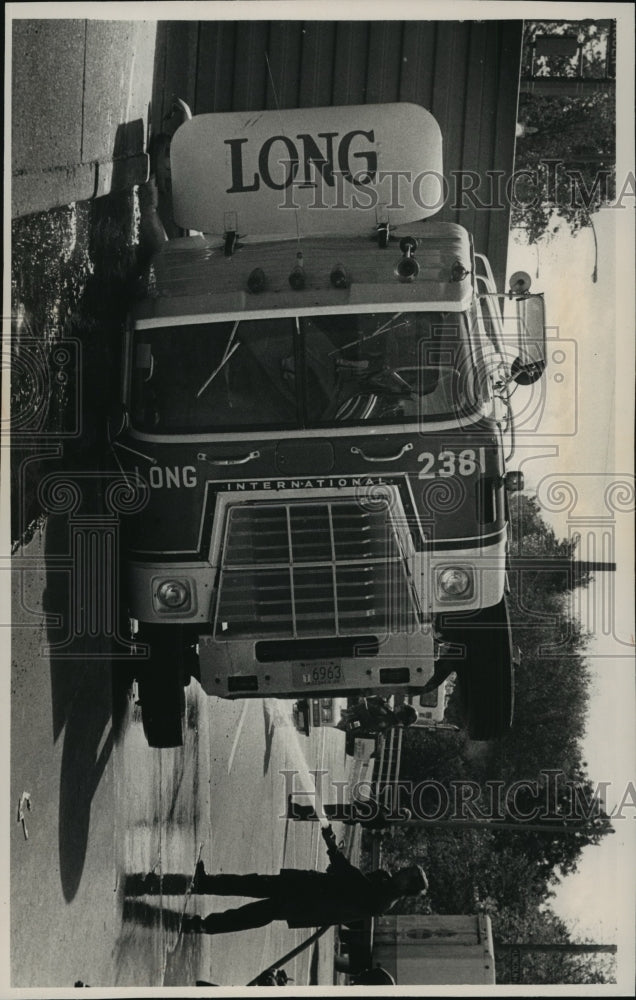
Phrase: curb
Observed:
(45, 189)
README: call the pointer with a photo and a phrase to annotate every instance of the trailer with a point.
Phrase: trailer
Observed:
(418, 949)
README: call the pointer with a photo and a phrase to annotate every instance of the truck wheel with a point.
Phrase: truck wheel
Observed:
(377, 976)
(161, 690)
(487, 693)
(486, 675)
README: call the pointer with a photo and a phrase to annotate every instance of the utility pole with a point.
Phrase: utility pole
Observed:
(515, 951)
(565, 86)
(574, 949)
(352, 812)
(579, 566)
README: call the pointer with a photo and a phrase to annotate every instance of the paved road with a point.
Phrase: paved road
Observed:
(105, 806)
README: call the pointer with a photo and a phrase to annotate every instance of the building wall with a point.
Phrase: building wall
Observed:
(466, 73)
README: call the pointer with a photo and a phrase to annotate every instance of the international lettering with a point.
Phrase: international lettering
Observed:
(246, 485)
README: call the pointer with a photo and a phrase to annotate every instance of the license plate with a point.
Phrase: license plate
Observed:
(317, 673)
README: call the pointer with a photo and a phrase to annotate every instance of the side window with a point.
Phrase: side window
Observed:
(482, 334)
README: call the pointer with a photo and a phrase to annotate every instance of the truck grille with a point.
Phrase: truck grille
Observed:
(311, 569)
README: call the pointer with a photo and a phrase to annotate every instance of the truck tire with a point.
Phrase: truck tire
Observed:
(486, 674)
(487, 693)
(161, 687)
(377, 976)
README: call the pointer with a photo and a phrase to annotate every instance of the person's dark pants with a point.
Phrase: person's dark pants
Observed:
(244, 918)
(259, 886)
(153, 884)
(268, 907)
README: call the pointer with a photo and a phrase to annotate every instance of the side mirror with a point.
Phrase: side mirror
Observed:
(514, 482)
(526, 373)
(531, 337)
(519, 283)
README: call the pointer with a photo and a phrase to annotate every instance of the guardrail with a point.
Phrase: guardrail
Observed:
(388, 755)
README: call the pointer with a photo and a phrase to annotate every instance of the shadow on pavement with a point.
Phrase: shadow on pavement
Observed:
(154, 884)
(90, 700)
(148, 915)
(129, 158)
(85, 712)
(270, 730)
(83, 764)
(313, 967)
(182, 960)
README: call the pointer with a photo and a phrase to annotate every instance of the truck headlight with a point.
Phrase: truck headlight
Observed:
(454, 581)
(172, 595)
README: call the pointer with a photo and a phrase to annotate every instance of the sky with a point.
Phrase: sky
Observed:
(579, 447)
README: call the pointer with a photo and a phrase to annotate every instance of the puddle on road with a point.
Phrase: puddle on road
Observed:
(162, 822)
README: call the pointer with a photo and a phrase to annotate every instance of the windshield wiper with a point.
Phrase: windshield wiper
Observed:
(369, 336)
(227, 354)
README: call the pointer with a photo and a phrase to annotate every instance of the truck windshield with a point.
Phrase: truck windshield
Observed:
(315, 371)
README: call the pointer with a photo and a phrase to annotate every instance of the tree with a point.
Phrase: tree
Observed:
(509, 871)
(566, 150)
(432, 752)
(592, 35)
(540, 925)
(532, 537)
(565, 166)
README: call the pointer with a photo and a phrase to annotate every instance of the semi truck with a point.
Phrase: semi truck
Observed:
(315, 422)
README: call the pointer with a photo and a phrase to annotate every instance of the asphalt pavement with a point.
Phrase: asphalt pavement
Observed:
(104, 806)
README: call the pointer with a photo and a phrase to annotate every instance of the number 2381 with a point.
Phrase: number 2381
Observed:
(451, 463)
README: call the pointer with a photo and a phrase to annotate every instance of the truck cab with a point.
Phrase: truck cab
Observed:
(314, 413)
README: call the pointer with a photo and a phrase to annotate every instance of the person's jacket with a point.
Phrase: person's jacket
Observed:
(374, 715)
(337, 896)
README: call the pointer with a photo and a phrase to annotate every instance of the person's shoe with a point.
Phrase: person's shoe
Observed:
(296, 810)
(200, 876)
(192, 924)
(140, 884)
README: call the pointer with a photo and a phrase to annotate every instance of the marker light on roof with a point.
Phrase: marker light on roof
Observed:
(339, 277)
(256, 281)
(297, 275)
(407, 269)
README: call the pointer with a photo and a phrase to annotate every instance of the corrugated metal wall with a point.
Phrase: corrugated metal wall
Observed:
(466, 73)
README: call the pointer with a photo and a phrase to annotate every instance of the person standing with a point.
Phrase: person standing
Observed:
(304, 898)
(374, 715)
